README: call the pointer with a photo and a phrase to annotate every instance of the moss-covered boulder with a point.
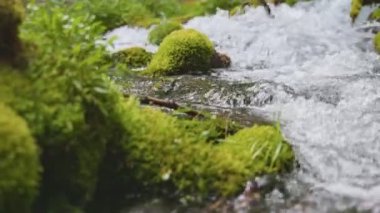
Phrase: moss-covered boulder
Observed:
(19, 163)
(269, 152)
(181, 52)
(134, 57)
(375, 15)
(356, 6)
(159, 32)
(198, 167)
(11, 15)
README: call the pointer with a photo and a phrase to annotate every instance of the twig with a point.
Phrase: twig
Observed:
(147, 100)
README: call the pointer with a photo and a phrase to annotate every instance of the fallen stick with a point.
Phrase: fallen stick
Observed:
(147, 100)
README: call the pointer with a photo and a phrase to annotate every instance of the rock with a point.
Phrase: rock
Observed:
(220, 60)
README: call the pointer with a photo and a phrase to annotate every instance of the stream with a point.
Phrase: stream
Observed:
(311, 69)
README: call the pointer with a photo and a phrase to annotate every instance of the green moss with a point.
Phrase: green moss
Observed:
(19, 163)
(356, 6)
(376, 42)
(291, 2)
(158, 33)
(134, 57)
(183, 51)
(375, 15)
(199, 167)
(11, 11)
(268, 151)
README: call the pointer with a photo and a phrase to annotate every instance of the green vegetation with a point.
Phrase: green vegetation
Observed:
(96, 144)
(134, 57)
(158, 33)
(19, 164)
(375, 15)
(376, 42)
(356, 6)
(182, 51)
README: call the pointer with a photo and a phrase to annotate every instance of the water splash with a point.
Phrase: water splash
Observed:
(314, 49)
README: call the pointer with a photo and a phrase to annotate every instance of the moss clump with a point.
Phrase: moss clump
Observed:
(268, 151)
(376, 42)
(11, 15)
(291, 2)
(356, 6)
(375, 15)
(199, 167)
(158, 33)
(134, 57)
(183, 51)
(19, 163)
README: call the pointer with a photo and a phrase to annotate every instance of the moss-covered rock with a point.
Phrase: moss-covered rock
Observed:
(268, 152)
(183, 51)
(376, 42)
(356, 6)
(19, 163)
(198, 167)
(11, 15)
(375, 15)
(159, 32)
(134, 57)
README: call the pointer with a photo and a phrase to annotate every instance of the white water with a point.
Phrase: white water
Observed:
(314, 49)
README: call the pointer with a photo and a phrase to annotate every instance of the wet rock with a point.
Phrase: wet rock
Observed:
(220, 60)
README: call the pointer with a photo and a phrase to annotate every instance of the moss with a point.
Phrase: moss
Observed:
(198, 165)
(291, 2)
(11, 15)
(183, 51)
(375, 15)
(356, 6)
(134, 57)
(376, 42)
(19, 163)
(268, 151)
(158, 33)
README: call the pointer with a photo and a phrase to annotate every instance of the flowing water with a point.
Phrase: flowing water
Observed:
(330, 114)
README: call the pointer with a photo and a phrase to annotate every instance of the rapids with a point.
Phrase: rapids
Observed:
(332, 119)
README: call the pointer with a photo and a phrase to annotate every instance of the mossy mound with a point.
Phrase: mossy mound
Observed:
(19, 163)
(376, 42)
(159, 32)
(199, 167)
(356, 6)
(375, 15)
(181, 52)
(11, 15)
(268, 151)
(134, 57)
